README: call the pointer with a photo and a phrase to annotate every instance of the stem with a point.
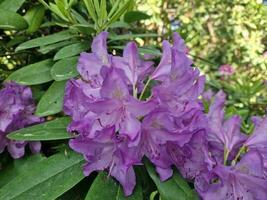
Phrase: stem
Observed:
(238, 154)
(134, 91)
(225, 156)
(144, 89)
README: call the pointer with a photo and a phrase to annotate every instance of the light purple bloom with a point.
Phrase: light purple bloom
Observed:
(90, 64)
(208, 95)
(109, 151)
(134, 68)
(116, 129)
(224, 135)
(246, 180)
(16, 112)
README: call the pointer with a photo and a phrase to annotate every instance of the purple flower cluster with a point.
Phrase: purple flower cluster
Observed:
(236, 163)
(16, 112)
(116, 126)
(125, 108)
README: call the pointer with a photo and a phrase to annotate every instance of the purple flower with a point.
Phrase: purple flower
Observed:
(183, 83)
(134, 68)
(116, 127)
(16, 112)
(107, 150)
(246, 180)
(117, 107)
(226, 69)
(224, 135)
(208, 95)
(90, 64)
(169, 139)
(258, 139)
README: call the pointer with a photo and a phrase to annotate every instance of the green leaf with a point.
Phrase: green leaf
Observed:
(51, 130)
(118, 13)
(103, 11)
(33, 74)
(18, 166)
(114, 37)
(143, 50)
(104, 187)
(52, 101)
(91, 10)
(172, 188)
(12, 20)
(52, 47)
(34, 16)
(133, 16)
(16, 40)
(65, 69)
(86, 29)
(11, 5)
(46, 180)
(71, 50)
(45, 40)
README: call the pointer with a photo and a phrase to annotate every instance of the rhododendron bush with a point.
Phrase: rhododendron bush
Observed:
(122, 121)
(128, 115)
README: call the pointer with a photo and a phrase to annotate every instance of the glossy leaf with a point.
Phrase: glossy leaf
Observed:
(34, 16)
(45, 40)
(51, 130)
(71, 50)
(52, 101)
(11, 5)
(133, 16)
(172, 189)
(12, 20)
(33, 74)
(18, 166)
(46, 180)
(55, 46)
(105, 187)
(65, 69)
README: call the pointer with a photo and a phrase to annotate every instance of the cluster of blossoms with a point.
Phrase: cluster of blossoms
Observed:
(118, 121)
(16, 112)
(236, 163)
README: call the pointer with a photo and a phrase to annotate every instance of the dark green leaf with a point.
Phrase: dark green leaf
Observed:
(143, 50)
(51, 130)
(65, 69)
(86, 29)
(133, 16)
(151, 51)
(33, 74)
(104, 187)
(52, 47)
(71, 50)
(12, 20)
(11, 5)
(17, 167)
(16, 40)
(34, 16)
(173, 188)
(45, 40)
(46, 180)
(120, 24)
(52, 101)
(114, 37)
